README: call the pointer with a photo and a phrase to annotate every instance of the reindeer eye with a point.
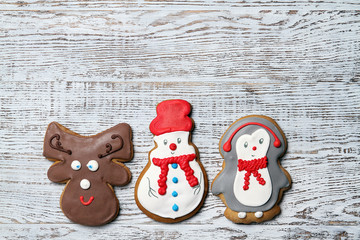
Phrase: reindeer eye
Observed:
(261, 140)
(246, 144)
(165, 141)
(75, 165)
(93, 165)
(179, 140)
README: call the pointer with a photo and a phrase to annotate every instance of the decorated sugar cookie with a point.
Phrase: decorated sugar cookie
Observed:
(89, 166)
(252, 179)
(173, 185)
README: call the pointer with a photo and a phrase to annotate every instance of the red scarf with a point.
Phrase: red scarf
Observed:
(252, 167)
(183, 162)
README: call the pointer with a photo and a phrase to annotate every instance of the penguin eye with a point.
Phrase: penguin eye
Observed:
(179, 140)
(165, 141)
(261, 140)
(246, 144)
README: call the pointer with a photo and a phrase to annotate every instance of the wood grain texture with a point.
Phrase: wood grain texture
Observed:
(180, 4)
(92, 64)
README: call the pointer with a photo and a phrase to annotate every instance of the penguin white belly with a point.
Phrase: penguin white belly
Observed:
(257, 194)
(180, 198)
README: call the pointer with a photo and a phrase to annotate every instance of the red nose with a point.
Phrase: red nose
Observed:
(254, 148)
(173, 146)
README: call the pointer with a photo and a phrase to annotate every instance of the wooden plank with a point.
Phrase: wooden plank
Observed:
(281, 45)
(90, 70)
(156, 231)
(106, 5)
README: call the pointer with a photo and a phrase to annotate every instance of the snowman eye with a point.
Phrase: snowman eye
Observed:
(75, 165)
(93, 165)
(261, 140)
(179, 140)
(165, 141)
(246, 144)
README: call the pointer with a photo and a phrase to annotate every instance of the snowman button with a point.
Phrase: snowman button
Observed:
(174, 165)
(175, 180)
(174, 194)
(175, 207)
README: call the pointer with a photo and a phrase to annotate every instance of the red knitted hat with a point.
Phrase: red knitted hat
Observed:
(172, 115)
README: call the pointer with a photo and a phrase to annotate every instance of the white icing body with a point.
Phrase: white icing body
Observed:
(188, 198)
(249, 147)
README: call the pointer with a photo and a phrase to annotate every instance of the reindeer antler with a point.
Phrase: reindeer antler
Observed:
(109, 146)
(58, 146)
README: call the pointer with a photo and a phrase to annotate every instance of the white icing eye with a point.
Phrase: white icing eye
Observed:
(246, 144)
(165, 141)
(261, 140)
(75, 165)
(85, 184)
(93, 165)
(179, 140)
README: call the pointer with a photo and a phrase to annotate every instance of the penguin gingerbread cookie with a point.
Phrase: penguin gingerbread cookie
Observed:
(252, 180)
(173, 185)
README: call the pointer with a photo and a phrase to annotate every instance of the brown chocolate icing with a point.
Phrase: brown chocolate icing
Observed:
(109, 149)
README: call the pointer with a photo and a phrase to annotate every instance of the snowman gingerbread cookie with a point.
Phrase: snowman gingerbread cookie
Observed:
(252, 180)
(173, 185)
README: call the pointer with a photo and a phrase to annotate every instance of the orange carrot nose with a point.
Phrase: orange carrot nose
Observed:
(254, 148)
(173, 146)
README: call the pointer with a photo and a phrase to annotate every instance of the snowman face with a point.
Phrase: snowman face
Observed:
(253, 146)
(172, 144)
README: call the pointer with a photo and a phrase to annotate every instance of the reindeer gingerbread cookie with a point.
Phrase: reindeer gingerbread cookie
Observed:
(89, 166)
(173, 185)
(252, 180)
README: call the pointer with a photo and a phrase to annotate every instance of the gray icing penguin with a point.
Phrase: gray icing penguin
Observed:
(252, 179)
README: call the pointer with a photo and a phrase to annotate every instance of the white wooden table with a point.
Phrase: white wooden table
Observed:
(92, 64)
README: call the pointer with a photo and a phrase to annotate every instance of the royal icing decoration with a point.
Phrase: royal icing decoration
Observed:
(85, 184)
(183, 161)
(88, 166)
(76, 165)
(252, 167)
(251, 181)
(173, 185)
(88, 202)
(227, 145)
(93, 165)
